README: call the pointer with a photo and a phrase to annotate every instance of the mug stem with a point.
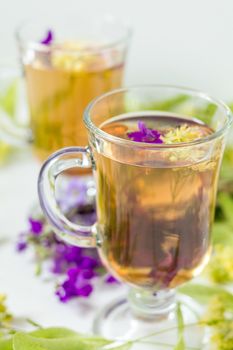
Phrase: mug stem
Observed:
(152, 305)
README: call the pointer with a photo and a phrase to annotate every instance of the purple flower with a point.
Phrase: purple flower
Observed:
(110, 279)
(78, 190)
(78, 266)
(76, 284)
(21, 246)
(145, 135)
(88, 262)
(36, 226)
(72, 254)
(48, 39)
(85, 291)
(78, 194)
(65, 256)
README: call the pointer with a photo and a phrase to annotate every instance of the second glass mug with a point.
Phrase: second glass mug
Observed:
(64, 69)
(155, 202)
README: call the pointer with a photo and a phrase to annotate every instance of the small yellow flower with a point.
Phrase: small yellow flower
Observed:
(5, 317)
(215, 312)
(220, 320)
(220, 269)
(183, 133)
(72, 57)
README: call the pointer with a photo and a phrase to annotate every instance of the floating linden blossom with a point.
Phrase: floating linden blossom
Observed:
(183, 133)
(77, 57)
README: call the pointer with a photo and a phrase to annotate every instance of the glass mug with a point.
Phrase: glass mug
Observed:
(65, 67)
(155, 202)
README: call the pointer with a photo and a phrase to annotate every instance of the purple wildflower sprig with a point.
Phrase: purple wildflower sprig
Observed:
(145, 134)
(75, 267)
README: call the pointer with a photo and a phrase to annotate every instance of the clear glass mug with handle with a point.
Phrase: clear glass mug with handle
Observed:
(65, 66)
(155, 201)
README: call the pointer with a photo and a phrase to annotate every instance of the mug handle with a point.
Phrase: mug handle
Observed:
(75, 157)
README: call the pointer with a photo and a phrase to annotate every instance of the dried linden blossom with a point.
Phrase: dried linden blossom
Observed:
(69, 56)
(183, 133)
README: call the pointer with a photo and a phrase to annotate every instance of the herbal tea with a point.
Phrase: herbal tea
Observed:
(155, 211)
(60, 84)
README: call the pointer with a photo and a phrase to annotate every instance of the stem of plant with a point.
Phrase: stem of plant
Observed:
(167, 330)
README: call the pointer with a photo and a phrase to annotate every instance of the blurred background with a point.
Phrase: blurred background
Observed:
(179, 42)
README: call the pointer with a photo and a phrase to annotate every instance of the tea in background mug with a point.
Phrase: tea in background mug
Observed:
(155, 201)
(64, 69)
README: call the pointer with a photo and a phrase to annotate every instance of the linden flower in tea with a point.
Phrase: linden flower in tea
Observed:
(157, 219)
(182, 133)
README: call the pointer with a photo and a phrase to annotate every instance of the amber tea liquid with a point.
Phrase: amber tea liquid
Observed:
(59, 88)
(155, 216)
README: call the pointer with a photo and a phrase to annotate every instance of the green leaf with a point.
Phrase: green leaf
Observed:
(5, 149)
(180, 321)
(23, 341)
(203, 293)
(169, 104)
(53, 332)
(163, 105)
(222, 233)
(6, 344)
(8, 101)
(126, 346)
(180, 345)
(226, 204)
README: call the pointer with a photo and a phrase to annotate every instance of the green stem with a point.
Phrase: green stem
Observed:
(167, 330)
(165, 344)
(33, 323)
(191, 309)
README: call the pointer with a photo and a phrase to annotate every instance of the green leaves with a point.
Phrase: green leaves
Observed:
(8, 105)
(203, 293)
(222, 230)
(22, 341)
(8, 99)
(181, 343)
(226, 204)
(58, 339)
(53, 332)
(6, 344)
